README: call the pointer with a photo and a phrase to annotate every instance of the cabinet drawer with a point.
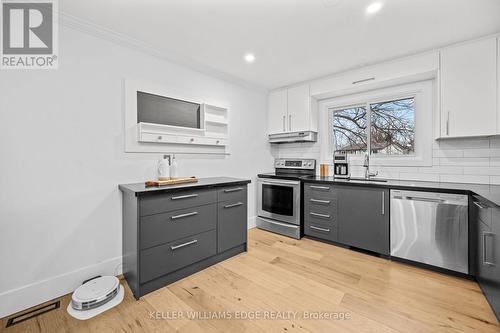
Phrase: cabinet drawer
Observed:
(164, 259)
(160, 203)
(320, 203)
(325, 191)
(163, 228)
(328, 232)
(323, 216)
(233, 193)
(232, 228)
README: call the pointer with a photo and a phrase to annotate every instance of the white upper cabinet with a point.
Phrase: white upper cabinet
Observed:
(299, 107)
(277, 114)
(291, 110)
(469, 89)
(408, 69)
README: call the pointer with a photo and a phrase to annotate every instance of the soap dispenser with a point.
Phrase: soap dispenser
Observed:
(164, 168)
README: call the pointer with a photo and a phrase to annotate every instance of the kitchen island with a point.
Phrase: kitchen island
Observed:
(170, 232)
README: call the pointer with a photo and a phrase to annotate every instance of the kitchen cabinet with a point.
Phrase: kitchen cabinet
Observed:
(486, 220)
(277, 111)
(363, 218)
(291, 110)
(299, 108)
(416, 67)
(171, 233)
(320, 211)
(468, 85)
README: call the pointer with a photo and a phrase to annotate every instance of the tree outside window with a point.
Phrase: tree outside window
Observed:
(391, 125)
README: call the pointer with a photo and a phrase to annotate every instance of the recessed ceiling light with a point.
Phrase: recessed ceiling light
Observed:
(373, 8)
(249, 57)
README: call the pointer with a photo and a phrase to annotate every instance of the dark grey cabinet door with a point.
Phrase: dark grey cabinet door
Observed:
(363, 216)
(232, 224)
(488, 257)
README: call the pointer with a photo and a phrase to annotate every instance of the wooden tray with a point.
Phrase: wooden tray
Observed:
(171, 181)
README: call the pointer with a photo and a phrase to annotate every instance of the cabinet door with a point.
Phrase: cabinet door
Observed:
(486, 260)
(232, 224)
(299, 108)
(277, 112)
(469, 89)
(363, 216)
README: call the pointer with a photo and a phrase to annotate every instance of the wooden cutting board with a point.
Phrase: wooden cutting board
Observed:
(171, 181)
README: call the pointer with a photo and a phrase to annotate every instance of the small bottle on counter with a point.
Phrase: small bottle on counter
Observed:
(174, 172)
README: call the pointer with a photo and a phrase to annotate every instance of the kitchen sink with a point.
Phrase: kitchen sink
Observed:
(361, 179)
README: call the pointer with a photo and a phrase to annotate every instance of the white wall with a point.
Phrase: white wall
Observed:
(62, 158)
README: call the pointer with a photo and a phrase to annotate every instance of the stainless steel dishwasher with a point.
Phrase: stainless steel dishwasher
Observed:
(430, 228)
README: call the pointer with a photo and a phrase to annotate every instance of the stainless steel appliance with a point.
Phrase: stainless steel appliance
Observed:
(340, 166)
(279, 196)
(305, 136)
(430, 228)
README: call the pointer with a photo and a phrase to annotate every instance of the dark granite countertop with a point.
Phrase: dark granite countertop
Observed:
(139, 188)
(490, 193)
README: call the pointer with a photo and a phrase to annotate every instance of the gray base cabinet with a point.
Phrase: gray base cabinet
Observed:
(486, 220)
(364, 218)
(350, 215)
(170, 235)
(320, 211)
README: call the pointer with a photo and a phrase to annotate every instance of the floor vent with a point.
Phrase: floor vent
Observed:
(32, 313)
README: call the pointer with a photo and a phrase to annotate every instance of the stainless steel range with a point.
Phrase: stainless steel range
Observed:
(279, 196)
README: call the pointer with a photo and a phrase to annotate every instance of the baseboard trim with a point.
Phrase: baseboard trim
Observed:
(252, 222)
(28, 296)
(25, 297)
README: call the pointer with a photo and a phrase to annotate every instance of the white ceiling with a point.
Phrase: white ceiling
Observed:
(293, 40)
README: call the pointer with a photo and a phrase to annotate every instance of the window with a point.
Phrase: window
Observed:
(394, 124)
(386, 127)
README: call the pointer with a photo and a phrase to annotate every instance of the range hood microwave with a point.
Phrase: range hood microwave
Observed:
(304, 136)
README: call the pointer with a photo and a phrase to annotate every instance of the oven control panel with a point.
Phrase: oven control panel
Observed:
(286, 163)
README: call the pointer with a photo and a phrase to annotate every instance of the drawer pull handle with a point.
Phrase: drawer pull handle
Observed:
(234, 205)
(183, 215)
(185, 196)
(319, 229)
(175, 247)
(322, 188)
(320, 215)
(326, 202)
(485, 262)
(233, 190)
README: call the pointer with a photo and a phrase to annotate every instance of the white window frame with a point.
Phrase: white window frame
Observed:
(422, 91)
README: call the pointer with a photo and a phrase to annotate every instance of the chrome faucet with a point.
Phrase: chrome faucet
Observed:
(366, 165)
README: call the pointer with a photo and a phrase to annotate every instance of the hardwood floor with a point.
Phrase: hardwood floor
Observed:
(280, 276)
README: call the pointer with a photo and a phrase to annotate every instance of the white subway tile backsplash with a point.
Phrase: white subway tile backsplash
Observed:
(472, 179)
(469, 160)
(455, 170)
(448, 153)
(465, 143)
(489, 171)
(476, 161)
(419, 176)
(483, 152)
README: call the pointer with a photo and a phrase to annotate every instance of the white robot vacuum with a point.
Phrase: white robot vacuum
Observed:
(95, 296)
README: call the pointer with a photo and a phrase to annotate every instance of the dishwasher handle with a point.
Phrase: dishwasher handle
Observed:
(436, 198)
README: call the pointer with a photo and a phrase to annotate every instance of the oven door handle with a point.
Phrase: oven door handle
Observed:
(279, 182)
